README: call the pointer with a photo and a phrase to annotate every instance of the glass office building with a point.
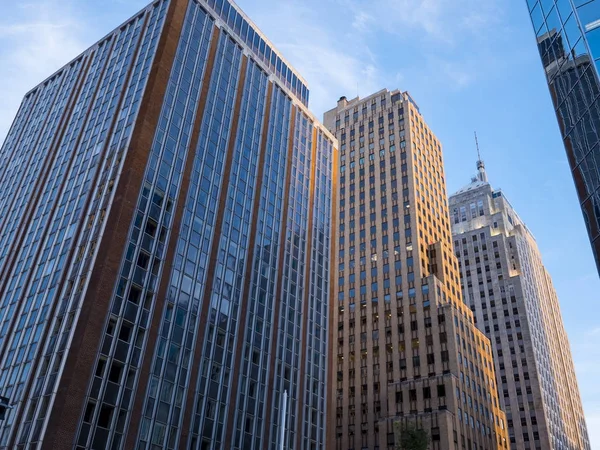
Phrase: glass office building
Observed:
(165, 232)
(568, 37)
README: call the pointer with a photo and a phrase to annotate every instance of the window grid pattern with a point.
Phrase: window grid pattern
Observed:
(568, 39)
(108, 408)
(289, 322)
(51, 190)
(8, 150)
(43, 109)
(181, 310)
(117, 147)
(552, 392)
(252, 383)
(180, 317)
(315, 375)
(488, 301)
(52, 269)
(16, 289)
(509, 290)
(47, 200)
(261, 49)
(68, 214)
(163, 404)
(18, 276)
(26, 165)
(394, 302)
(227, 289)
(567, 429)
(24, 169)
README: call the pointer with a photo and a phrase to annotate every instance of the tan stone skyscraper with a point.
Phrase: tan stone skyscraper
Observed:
(406, 348)
(511, 294)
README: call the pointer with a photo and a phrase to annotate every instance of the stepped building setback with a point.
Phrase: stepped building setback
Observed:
(404, 346)
(507, 287)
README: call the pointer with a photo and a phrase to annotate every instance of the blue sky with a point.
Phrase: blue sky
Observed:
(469, 64)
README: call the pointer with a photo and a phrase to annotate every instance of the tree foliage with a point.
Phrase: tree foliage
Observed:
(409, 437)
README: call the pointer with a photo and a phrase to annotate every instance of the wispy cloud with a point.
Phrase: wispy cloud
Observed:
(37, 37)
(435, 47)
(336, 56)
(334, 62)
(362, 21)
(41, 37)
(441, 32)
(447, 21)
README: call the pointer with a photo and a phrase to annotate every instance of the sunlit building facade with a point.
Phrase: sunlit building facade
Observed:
(404, 347)
(165, 231)
(568, 38)
(507, 287)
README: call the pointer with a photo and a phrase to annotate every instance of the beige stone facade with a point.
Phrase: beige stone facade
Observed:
(510, 292)
(404, 346)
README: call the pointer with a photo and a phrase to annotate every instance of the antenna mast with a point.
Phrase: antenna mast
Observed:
(477, 145)
(481, 175)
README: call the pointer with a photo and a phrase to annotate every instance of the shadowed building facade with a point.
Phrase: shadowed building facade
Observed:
(568, 39)
(404, 347)
(165, 231)
(507, 287)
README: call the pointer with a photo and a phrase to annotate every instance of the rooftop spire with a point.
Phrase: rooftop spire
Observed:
(481, 175)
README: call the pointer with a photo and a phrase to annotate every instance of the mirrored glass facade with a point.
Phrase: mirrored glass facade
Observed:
(568, 38)
(165, 240)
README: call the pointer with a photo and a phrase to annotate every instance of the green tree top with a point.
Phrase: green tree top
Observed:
(409, 437)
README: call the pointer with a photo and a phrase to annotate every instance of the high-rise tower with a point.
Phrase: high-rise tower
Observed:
(510, 292)
(567, 35)
(165, 218)
(406, 348)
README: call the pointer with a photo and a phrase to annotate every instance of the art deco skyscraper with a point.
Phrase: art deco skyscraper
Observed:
(165, 218)
(567, 35)
(510, 292)
(406, 348)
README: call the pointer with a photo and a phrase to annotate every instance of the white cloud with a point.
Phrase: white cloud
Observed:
(445, 38)
(334, 62)
(331, 73)
(449, 21)
(332, 45)
(44, 38)
(38, 37)
(362, 21)
(332, 51)
(454, 74)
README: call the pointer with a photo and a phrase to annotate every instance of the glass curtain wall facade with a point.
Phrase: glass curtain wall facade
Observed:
(568, 38)
(406, 348)
(507, 287)
(166, 217)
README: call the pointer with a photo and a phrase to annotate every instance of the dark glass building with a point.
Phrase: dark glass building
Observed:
(568, 36)
(165, 232)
